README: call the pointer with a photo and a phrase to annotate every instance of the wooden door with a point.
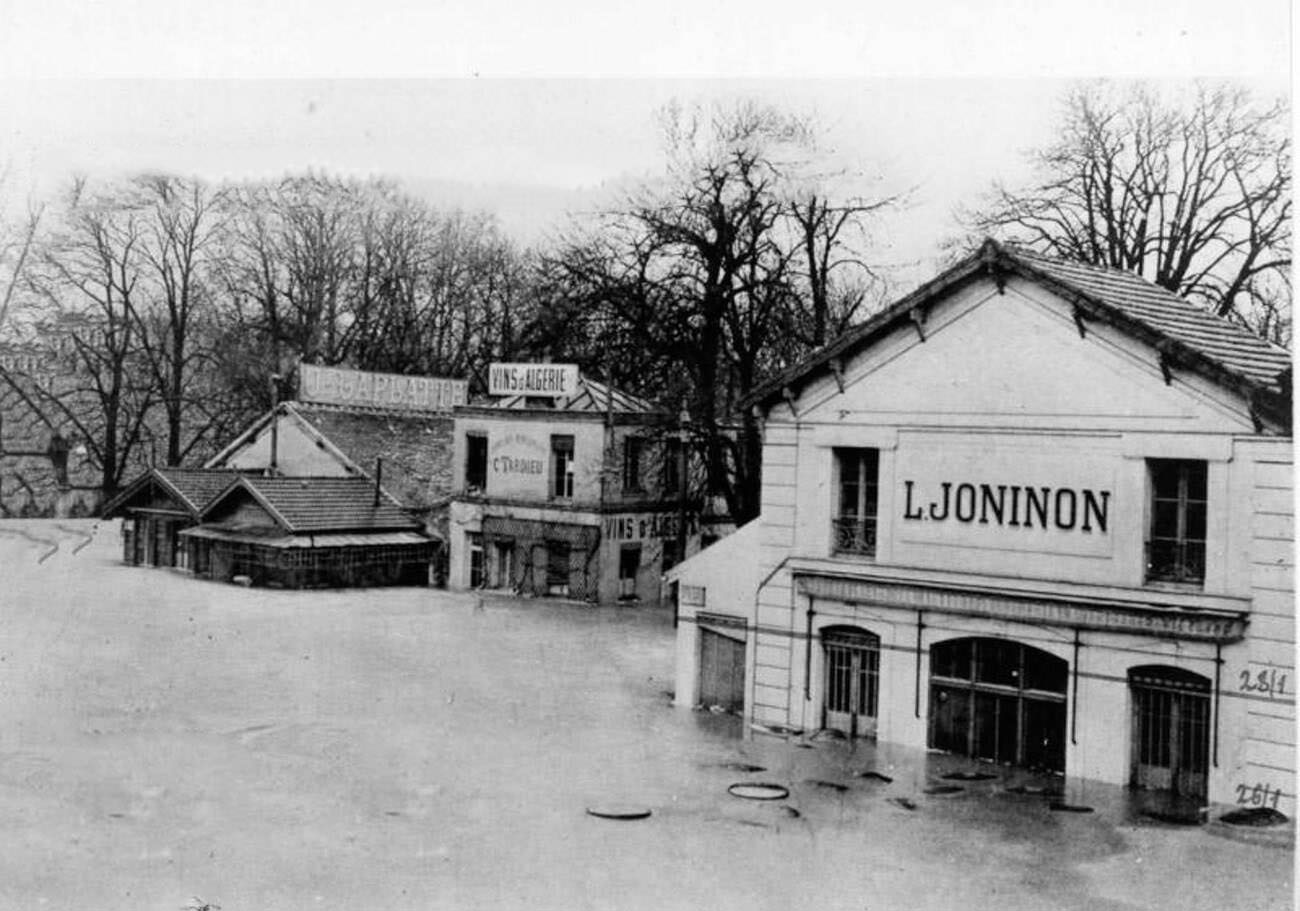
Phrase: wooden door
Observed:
(722, 671)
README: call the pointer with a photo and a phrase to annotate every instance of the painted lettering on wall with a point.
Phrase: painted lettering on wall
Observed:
(338, 386)
(1011, 505)
(1268, 681)
(637, 527)
(1261, 795)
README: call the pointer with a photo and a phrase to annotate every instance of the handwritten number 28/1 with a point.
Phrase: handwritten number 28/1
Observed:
(1268, 681)
(1261, 795)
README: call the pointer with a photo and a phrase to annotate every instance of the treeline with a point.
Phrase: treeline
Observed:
(175, 310)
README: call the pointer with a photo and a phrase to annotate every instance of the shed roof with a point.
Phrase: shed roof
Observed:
(319, 504)
(1187, 335)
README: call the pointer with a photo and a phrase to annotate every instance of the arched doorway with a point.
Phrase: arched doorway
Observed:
(1171, 730)
(999, 700)
(851, 657)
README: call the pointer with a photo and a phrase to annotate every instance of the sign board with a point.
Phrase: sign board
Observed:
(1023, 501)
(338, 386)
(543, 380)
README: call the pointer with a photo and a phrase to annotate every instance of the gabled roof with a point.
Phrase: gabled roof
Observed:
(318, 504)
(1186, 336)
(289, 410)
(590, 397)
(191, 488)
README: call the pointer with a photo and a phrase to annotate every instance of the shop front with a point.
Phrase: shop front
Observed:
(1037, 517)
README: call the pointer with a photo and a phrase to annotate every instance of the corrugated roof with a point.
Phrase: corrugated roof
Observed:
(1230, 345)
(322, 504)
(591, 396)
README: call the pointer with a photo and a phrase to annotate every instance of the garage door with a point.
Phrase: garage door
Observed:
(722, 670)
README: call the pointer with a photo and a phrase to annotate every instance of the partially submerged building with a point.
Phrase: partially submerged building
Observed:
(284, 503)
(308, 533)
(157, 506)
(1038, 514)
(581, 496)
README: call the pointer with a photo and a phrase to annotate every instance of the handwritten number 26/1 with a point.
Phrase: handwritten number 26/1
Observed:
(1261, 795)
(1269, 681)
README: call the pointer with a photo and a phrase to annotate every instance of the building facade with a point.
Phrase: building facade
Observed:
(582, 497)
(1036, 514)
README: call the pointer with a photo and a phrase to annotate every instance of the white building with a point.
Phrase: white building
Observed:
(1036, 513)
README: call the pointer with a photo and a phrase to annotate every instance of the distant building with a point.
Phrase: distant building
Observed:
(1037, 514)
(44, 468)
(583, 496)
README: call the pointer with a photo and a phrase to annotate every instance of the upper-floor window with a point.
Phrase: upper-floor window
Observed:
(632, 450)
(476, 459)
(854, 524)
(1176, 535)
(562, 466)
(672, 467)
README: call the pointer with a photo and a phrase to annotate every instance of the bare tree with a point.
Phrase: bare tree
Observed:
(87, 280)
(179, 226)
(704, 283)
(1194, 196)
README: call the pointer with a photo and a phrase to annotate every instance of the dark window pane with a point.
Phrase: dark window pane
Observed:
(1195, 527)
(1164, 519)
(997, 662)
(1164, 478)
(1196, 479)
(951, 659)
(1044, 671)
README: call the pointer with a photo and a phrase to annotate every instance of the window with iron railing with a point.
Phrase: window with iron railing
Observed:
(853, 530)
(1175, 545)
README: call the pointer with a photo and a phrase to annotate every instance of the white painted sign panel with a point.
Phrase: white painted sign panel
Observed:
(1034, 502)
(518, 464)
(555, 380)
(363, 389)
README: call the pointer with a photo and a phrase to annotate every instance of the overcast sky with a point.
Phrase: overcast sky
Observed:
(467, 104)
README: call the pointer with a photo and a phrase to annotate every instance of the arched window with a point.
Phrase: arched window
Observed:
(999, 700)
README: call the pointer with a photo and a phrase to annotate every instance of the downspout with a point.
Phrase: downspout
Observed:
(1074, 693)
(920, 625)
(1218, 666)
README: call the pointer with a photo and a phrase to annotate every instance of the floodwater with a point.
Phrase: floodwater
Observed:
(167, 742)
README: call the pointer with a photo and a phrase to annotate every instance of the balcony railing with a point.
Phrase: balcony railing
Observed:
(854, 535)
(1176, 561)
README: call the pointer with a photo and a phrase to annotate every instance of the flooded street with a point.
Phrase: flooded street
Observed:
(163, 739)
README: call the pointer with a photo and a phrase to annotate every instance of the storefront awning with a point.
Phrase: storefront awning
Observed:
(499, 527)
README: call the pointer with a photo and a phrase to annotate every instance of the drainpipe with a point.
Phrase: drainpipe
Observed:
(920, 625)
(379, 477)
